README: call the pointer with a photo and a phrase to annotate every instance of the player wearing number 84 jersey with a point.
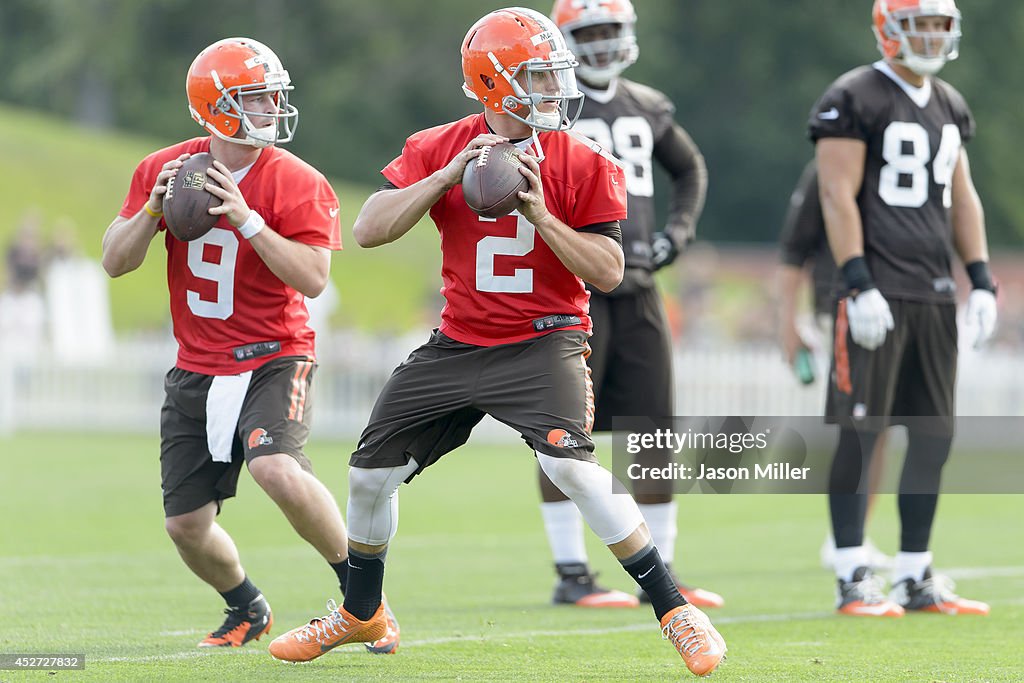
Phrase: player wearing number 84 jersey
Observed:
(898, 199)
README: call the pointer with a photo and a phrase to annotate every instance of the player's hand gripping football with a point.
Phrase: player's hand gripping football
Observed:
(870, 318)
(451, 175)
(167, 171)
(533, 207)
(234, 205)
(980, 316)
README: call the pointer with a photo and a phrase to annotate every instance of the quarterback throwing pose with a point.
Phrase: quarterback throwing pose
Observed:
(898, 199)
(240, 390)
(512, 341)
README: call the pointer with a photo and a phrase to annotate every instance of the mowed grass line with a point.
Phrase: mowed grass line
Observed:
(86, 567)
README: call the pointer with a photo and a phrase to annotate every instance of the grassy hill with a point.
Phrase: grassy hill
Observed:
(65, 171)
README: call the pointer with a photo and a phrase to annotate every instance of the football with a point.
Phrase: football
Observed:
(186, 201)
(492, 181)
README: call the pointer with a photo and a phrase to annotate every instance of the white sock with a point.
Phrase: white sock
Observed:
(564, 526)
(848, 560)
(911, 565)
(661, 520)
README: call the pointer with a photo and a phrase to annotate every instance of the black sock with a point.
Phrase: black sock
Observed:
(847, 499)
(365, 579)
(571, 569)
(917, 512)
(341, 569)
(848, 511)
(649, 571)
(242, 594)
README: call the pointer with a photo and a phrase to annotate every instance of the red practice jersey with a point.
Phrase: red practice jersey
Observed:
(498, 275)
(223, 296)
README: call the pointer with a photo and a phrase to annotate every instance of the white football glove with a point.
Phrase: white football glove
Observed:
(980, 316)
(870, 318)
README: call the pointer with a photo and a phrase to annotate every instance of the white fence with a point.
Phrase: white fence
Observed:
(126, 392)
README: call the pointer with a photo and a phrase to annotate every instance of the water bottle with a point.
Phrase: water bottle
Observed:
(803, 365)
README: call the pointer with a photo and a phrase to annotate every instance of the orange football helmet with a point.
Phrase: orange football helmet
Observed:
(600, 60)
(225, 71)
(895, 23)
(515, 59)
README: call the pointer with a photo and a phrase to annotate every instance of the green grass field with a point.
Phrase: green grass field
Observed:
(85, 567)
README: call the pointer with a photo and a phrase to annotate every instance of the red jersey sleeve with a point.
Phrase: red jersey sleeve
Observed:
(315, 222)
(602, 195)
(410, 167)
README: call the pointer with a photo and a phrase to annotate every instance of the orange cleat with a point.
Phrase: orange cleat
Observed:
(698, 642)
(934, 593)
(323, 634)
(862, 596)
(388, 644)
(241, 625)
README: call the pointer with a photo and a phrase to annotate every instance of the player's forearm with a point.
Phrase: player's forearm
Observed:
(842, 225)
(968, 217)
(126, 242)
(302, 267)
(681, 158)
(389, 214)
(788, 279)
(594, 258)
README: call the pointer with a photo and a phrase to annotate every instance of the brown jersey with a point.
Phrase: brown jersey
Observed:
(913, 138)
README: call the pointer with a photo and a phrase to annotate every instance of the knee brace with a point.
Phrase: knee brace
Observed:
(613, 517)
(372, 508)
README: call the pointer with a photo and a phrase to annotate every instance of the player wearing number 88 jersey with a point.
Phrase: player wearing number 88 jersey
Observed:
(898, 199)
(239, 393)
(631, 357)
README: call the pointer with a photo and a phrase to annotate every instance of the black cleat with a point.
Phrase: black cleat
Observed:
(577, 586)
(241, 625)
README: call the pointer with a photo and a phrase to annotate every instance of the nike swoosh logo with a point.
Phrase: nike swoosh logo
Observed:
(640, 576)
(333, 212)
(830, 115)
(328, 648)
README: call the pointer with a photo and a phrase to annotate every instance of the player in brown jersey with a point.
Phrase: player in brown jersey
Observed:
(898, 200)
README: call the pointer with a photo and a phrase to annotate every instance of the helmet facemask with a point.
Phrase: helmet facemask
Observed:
(602, 60)
(230, 104)
(938, 48)
(537, 84)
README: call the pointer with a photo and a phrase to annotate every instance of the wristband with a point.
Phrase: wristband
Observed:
(856, 275)
(151, 212)
(252, 225)
(981, 276)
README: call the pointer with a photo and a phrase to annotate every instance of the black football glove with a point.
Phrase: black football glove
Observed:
(663, 250)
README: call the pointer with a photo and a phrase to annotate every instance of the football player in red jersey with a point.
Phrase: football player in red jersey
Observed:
(631, 359)
(513, 336)
(898, 200)
(239, 392)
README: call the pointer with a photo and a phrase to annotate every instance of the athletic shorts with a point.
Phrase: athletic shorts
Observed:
(540, 387)
(274, 418)
(631, 357)
(913, 373)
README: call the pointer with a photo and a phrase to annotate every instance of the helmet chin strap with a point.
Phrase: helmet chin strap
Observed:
(536, 146)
